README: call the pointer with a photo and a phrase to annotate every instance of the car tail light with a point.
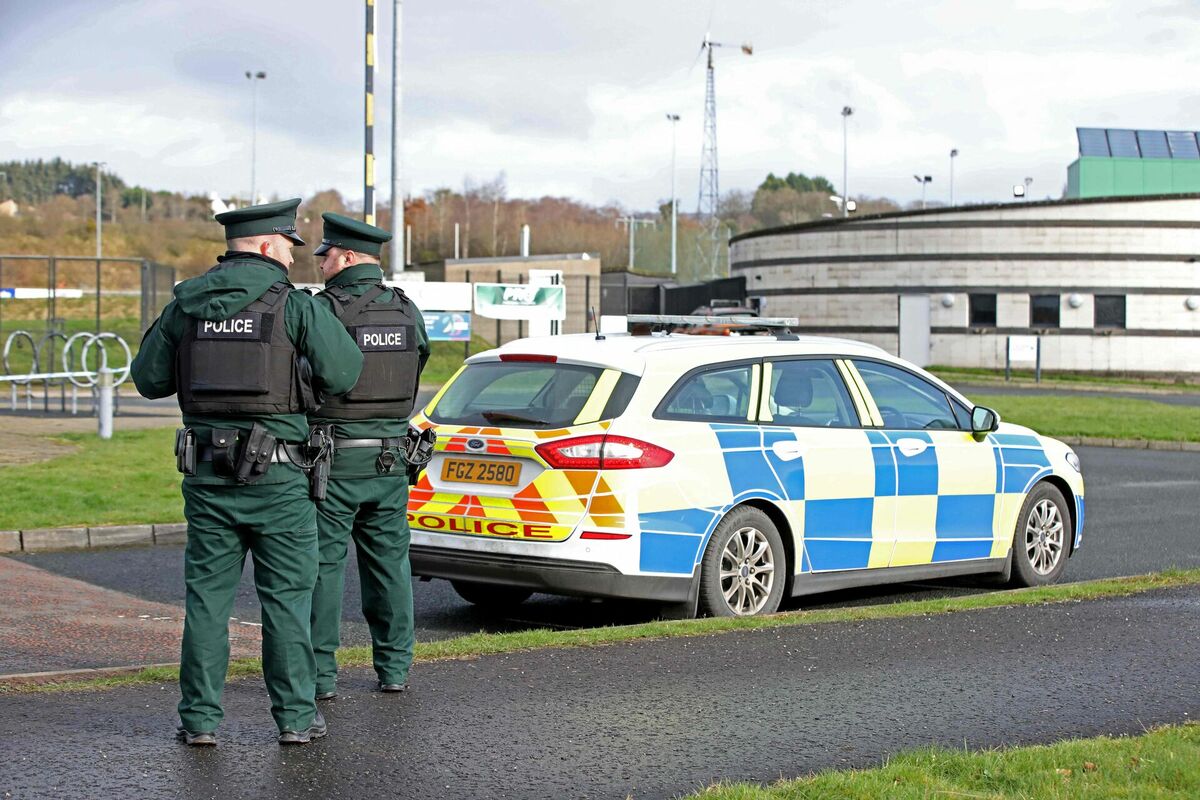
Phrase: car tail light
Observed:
(604, 536)
(529, 357)
(604, 451)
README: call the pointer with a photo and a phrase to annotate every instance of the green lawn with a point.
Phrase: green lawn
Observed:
(1101, 416)
(1162, 763)
(129, 479)
(1077, 380)
(446, 357)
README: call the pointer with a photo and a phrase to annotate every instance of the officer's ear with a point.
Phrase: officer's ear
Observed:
(351, 258)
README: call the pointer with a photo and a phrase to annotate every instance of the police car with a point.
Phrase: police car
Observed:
(725, 473)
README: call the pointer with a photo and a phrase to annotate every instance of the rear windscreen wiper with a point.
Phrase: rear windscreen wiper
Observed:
(508, 416)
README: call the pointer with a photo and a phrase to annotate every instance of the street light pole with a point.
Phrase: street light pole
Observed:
(99, 215)
(399, 250)
(924, 181)
(254, 77)
(846, 112)
(953, 155)
(674, 118)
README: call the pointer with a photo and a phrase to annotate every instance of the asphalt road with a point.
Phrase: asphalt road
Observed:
(1142, 511)
(649, 719)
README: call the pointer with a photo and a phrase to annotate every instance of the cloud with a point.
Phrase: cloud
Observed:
(570, 98)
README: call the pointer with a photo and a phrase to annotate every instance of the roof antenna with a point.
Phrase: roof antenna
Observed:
(599, 336)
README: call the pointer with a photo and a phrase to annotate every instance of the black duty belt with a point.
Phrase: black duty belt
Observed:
(380, 443)
(284, 452)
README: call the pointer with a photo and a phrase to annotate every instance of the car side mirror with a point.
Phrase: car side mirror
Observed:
(983, 421)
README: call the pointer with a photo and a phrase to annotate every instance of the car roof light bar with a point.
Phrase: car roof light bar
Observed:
(672, 321)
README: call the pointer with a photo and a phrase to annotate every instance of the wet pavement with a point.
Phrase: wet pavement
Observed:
(649, 719)
(50, 623)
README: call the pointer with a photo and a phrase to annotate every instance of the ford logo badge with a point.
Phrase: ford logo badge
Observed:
(475, 444)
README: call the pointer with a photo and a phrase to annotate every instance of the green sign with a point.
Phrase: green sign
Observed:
(520, 301)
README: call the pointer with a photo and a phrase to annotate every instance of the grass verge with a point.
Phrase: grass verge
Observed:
(1115, 417)
(481, 644)
(81, 488)
(1065, 380)
(446, 357)
(1162, 763)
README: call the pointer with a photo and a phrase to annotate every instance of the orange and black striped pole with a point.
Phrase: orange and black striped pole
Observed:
(369, 118)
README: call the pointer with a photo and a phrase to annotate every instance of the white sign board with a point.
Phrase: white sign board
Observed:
(428, 295)
(436, 295)
(1022, 348)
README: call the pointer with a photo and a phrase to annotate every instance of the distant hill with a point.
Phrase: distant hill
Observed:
(57, 217)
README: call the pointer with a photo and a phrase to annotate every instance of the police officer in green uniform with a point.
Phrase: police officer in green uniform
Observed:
(367, 496)
(248, 356)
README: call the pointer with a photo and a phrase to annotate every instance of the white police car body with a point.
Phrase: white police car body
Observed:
(728, 472)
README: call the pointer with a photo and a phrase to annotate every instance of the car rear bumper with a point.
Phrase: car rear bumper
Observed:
(550, 575)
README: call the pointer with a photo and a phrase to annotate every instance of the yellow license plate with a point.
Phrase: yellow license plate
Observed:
(461, 470)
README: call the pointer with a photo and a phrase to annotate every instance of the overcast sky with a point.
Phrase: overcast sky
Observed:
(568, 98)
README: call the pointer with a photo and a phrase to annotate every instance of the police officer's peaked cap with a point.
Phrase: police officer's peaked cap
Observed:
(351, 234)
(262, 220)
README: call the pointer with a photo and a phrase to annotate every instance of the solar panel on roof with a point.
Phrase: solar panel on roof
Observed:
(1123, 143)
(1183, 144)
(1153, 144)
(1092, 142)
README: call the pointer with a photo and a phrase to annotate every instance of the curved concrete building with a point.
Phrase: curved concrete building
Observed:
(1108, 284)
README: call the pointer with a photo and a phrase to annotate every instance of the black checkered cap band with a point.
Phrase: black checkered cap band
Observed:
(284, 229)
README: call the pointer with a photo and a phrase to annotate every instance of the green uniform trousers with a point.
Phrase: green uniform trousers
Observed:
(374, 512)
(276, 523)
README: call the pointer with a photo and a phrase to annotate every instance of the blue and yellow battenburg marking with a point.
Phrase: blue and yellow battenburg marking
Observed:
(910, 498)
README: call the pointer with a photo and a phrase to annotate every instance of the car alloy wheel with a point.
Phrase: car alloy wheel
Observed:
(1040, 543)
(747, 571)
(1044, 537)
(744, 569)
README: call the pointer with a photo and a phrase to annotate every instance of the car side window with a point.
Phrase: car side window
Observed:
(904, 400)
(961, 414)
(719, 394)
(809, 393)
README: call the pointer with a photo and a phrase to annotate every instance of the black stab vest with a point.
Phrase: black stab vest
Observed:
(245, 364)
(386, 333)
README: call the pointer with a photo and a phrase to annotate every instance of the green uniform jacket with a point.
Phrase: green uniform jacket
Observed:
(316, 333)
(360, 462)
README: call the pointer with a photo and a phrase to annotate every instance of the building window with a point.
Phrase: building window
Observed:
(1110, 311)
(983, 310)
(1044, 310)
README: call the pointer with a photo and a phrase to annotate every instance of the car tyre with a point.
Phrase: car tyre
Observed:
(491, 595)
(744, 568)
(1042, 539)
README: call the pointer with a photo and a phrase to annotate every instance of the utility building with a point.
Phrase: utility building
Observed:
(1118, 162)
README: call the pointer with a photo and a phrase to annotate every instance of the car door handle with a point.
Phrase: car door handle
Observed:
(788, 451)
(911, 447)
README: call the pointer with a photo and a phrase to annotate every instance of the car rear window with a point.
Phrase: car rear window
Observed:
(720, 393)
(517, 395)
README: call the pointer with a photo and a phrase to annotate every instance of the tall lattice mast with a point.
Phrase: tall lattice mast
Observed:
(710, 183)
